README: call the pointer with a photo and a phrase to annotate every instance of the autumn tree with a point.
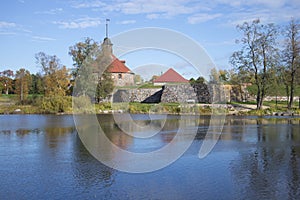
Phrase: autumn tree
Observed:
(22, 84)
(56, 77)
(258, 54)
(291, 59)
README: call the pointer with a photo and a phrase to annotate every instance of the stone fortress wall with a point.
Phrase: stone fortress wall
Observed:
(181, 93)
(186, 93)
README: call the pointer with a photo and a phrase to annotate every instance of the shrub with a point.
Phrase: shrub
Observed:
(82, 104)
(56, 104)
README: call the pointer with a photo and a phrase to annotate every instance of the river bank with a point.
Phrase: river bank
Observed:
(161, 108)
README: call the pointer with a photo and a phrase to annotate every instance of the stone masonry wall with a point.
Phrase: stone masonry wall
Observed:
(198, 93)
(179, 93)
(169, 93)
(133, 95)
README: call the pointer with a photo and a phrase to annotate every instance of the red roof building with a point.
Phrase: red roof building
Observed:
(118, 66)
(170, 76)
(120, 73)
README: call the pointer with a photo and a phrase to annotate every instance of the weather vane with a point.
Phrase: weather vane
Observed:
(106, 25)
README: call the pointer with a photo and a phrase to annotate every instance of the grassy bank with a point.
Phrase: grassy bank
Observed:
(58, 105)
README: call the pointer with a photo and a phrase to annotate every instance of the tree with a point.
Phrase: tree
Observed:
(291, 58)
(22, 84)
(258, 54)
(217, 76)
(36, 84)
(56, 77)
(104, 86)
(81, 51)
(91, 64)
(199, 80)
(6, 80)
(214, 76)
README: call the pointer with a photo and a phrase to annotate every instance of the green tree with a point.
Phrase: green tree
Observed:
(258, 54)
(81, 51)
(36, 84)
(6, 81)
(291, 58)
(22, 84)
(199, 80)
(104, 87)
(91, 64)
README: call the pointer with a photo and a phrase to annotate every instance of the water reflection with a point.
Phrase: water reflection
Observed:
(270, 169)
(87, 171)
(42, 157)
(167, 131)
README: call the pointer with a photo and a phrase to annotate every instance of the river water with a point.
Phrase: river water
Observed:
(42, 157)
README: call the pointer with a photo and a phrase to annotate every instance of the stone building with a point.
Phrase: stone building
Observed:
(120, 73)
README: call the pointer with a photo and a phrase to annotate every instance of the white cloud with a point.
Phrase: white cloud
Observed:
(90, 4)
(127, 22)
(202, 17)
(50, 12)
(166, 8)
(11, 28)
(241, 3)
(266, 15)
(79, 23)
(7, 33)
(199, 11)
(7, 24)
(39, 38)
(153, 16)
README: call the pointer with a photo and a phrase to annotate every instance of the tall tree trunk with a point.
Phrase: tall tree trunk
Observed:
(262, 96)
(258, 98)
(287, 90)
(21, 91)
(290, 105)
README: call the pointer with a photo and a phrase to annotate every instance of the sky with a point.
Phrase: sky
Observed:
(52, 26)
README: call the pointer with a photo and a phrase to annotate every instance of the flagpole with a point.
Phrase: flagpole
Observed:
(106, 27)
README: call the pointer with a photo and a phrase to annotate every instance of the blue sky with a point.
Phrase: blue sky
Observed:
(52, 26)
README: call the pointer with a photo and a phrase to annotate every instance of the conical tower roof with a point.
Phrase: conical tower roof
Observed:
(170, 76)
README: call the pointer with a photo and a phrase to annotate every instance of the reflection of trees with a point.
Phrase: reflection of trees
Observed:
(169, 129)
(270, 170)
(57, 135)
(5, 132)
(88, 171)
(23, 132)
(113, 132)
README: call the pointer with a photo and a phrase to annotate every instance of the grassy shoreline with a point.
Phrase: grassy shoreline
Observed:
(162, 108)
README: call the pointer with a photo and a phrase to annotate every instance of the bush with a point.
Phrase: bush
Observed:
(56, 104)
(82, 104)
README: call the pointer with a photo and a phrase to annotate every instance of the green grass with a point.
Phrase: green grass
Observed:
(7, 98)
(273, 90)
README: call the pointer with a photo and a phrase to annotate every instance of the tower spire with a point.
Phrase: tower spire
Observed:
(106, 27)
